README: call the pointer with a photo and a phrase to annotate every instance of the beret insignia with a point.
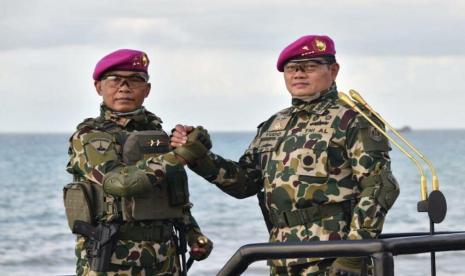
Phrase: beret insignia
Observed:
(320, 45)
(145, 60)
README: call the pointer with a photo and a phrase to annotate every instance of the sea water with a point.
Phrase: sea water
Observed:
(35, 238)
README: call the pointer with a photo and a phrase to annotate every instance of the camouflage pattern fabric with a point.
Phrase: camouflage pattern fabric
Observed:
(134, 259)
(311, 154)
(96, 149)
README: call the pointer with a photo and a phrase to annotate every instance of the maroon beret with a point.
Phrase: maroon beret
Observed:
(308, 46)
(123, 59)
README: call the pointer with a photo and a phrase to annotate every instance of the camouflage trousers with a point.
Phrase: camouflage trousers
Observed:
(133, 259)
(328, 228)
(307, 269)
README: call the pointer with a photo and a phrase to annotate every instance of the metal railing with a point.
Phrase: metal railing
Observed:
(380, 250)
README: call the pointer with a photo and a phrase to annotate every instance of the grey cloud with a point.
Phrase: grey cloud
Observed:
(359, 27)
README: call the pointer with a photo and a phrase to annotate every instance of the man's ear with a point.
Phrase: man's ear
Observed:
(147, 92)
(98, 87)
(334, 68)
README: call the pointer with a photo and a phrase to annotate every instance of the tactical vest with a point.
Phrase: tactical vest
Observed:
(167, 200)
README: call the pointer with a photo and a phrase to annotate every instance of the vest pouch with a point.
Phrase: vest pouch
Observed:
(178, 190)
(165, 200)
(78, 198)
(154, 205)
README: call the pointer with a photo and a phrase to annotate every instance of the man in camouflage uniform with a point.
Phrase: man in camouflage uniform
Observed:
(146, 243)
(325, 171)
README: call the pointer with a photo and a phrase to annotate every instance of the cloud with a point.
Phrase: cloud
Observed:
(213, 63)
(359, 27)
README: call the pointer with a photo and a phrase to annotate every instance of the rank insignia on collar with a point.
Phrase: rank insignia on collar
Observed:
(320, 45)
(100, 144)
(321, 108)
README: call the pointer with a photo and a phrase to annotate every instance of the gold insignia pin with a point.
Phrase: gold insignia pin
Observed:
(145, 60)
(320, 45)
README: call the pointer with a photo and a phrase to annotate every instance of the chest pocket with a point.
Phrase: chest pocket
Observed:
(263, 146)
(269, 141)
(308, 152)
(99, 147)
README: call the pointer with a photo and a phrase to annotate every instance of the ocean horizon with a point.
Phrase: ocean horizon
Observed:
(35, 236)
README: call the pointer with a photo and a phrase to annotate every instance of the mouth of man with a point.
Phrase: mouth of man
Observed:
(124, 100)
(300, 84)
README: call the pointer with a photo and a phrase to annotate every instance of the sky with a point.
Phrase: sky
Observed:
(213, 63)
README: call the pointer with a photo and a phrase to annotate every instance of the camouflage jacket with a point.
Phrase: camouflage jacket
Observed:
(91, 159)
(312, 153)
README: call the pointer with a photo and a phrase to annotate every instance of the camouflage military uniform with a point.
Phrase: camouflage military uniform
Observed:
(311, 159)
(91, 159)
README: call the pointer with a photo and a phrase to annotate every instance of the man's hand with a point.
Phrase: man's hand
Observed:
(344, 266)
(196, 147)
(201, 248)
(179, 135)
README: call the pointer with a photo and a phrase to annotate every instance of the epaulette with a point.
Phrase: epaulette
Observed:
(342, 103)
(96, 123)
(89, 122)
(154, 120)
(261, 124)
(285, 111)
(152, 117)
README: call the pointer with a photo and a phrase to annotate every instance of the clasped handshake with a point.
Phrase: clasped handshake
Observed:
(189, 143)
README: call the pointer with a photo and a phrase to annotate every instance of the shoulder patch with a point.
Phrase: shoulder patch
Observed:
(100, 144)
(99, 147)
(373, 140)
(374, 134)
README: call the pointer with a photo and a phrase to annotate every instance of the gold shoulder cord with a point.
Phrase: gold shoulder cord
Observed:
(423, 185)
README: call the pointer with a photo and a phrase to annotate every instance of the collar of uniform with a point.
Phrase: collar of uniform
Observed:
(124, 118)
(318, 105)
